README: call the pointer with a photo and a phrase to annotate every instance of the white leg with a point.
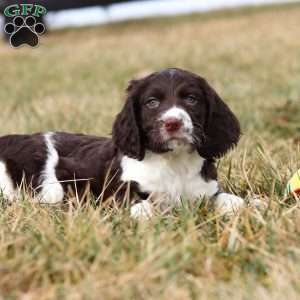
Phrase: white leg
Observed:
(228, 204)
(52, 191)
(142, 210)
(6, 184)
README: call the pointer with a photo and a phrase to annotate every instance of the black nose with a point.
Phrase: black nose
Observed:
(172, 124)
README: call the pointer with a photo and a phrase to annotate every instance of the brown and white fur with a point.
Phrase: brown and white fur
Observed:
(165, 142)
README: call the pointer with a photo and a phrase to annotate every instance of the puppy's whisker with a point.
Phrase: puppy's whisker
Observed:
(198, 125)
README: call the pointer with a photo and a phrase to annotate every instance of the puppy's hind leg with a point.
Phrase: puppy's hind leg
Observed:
(7, 189)
(51, 189)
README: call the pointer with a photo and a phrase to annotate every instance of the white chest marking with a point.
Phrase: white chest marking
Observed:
(171, 176)
(52, 191)
(6, 184)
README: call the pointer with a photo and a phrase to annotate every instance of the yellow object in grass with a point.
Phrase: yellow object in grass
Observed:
(293, 186)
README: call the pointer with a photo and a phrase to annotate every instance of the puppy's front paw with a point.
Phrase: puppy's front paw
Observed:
(257, 203)
(228, 204)
(141, 211)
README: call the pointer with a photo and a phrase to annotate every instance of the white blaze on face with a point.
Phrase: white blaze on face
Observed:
(184, 133)
(181, 115)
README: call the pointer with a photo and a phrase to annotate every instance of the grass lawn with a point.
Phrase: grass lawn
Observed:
(75, 82)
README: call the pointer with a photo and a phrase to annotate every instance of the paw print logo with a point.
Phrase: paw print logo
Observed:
(24, 31)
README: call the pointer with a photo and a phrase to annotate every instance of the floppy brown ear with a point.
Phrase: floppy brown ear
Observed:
(222, 129)
(126, 130)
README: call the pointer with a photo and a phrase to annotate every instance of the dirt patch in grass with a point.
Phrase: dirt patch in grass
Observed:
(283, 120)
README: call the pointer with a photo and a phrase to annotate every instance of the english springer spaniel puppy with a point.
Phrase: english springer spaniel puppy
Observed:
(163, 149)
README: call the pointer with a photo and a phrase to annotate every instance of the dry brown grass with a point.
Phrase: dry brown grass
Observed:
(75, 80)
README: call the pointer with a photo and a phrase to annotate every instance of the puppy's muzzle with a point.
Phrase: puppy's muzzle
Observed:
(172, 125)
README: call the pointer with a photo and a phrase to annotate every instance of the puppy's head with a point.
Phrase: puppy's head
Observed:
(171, 109)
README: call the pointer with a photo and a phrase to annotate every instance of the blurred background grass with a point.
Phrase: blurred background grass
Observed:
(75, 81)
(79, 75)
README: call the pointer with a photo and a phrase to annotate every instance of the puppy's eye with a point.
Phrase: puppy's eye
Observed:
(152, 102)
(190, 99)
